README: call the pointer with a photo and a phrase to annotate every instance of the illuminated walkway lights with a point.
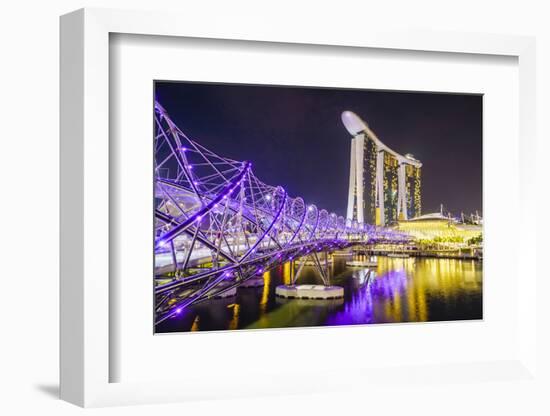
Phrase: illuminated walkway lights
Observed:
(234, 222)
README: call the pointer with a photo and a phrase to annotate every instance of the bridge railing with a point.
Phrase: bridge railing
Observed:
(206, 203)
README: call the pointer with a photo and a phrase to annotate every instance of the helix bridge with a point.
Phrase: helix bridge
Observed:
(217, 225)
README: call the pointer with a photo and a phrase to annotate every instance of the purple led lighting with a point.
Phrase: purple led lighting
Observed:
(296, 228)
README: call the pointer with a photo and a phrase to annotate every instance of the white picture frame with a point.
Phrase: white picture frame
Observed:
(85, 212)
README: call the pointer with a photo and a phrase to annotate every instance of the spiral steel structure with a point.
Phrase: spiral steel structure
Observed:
(217, 225)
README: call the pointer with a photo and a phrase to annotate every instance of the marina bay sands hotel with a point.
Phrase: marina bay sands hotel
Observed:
(384, 186)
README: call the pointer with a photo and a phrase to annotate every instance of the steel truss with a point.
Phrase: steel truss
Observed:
(217, 225)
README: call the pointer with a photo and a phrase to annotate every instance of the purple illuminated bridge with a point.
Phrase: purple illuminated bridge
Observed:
(217, 226)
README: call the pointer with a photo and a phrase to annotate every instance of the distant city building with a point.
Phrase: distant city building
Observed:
(437, 225)
(384, 186)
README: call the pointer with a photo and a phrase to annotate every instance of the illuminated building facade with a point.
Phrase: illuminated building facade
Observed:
(436, 225)
(384, 186)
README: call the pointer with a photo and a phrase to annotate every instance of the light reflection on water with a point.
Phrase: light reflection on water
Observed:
(397, 290)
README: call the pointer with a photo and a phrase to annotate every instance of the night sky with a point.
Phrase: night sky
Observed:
(294, 136)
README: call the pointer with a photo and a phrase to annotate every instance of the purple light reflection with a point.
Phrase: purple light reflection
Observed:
(367, 302)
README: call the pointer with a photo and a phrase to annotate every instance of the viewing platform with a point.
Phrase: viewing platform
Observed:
(309, 292)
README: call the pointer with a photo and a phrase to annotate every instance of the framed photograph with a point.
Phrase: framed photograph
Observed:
(234, 252)
(230, 203)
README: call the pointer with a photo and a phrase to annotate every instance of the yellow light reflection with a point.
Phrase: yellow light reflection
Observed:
(287, 274)
(234, 323)
(265, 292)
(443, 279)
(396, 306)
(195, 326)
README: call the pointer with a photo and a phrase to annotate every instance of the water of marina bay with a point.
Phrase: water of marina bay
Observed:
(396, 290)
